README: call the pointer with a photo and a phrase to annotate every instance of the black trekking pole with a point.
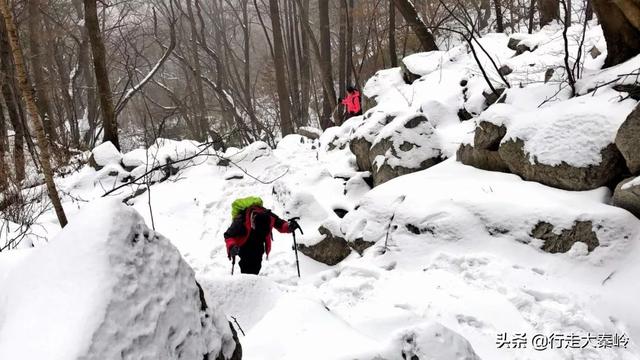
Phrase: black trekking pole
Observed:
(233, 264)
(295, 244)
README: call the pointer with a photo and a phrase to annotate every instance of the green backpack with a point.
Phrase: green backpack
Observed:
(239, 205)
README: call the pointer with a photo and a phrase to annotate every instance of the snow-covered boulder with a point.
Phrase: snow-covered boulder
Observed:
(332, 249)
(134, 158)
(429, 340)
(310, 132)
(108, 287)
(569, 145)
(627, 196)
(104, 154)
(407, 144)
(628, 140)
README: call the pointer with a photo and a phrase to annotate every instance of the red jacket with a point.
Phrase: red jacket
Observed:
(352, 102)
(238, 232)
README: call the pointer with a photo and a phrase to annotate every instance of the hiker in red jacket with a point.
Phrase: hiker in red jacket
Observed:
(249, 236)
(352, 102)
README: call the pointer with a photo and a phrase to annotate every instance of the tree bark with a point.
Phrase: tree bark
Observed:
(588, 12)
(549, 11)
(416, 23)
(7, 84)
(325, 58)
(43, 144)
(109, 121)
(620, 21)
(393, 57)
(286, 126)
(305, 65)
(499, 21)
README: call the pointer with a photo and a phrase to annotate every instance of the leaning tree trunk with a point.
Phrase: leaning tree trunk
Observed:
(549, 11)
(23, 83)
(109, 122)
(286, 126)
(418, 26)
(620, 21)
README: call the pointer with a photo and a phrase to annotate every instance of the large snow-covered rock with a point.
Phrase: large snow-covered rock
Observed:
(104, 154)
(569, 145)
(627, 196)
(108, 287)
(628, 140)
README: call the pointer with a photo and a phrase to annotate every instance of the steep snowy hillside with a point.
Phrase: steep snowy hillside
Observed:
(440, 260)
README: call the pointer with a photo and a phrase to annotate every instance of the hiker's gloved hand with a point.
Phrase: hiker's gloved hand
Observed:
(235, 250)
(293, 225)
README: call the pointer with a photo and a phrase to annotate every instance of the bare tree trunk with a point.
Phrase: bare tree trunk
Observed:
(109, 121)
(620, 21)
(325, 58)
(43, 144)
(350, 67)
(418, 26)
(4, 148)
(549, 11)
(286, 126)
(34, 21)
(589, 10)
(393, 57)
(342, 57)
(532, 12)
(294, 87)
(305, 65)
(499, 21)
(11, 103)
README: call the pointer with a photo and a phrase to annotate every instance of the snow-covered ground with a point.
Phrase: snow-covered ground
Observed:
(454, 266)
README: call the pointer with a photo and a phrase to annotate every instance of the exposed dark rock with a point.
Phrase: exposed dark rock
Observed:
(310, 133)
(522, 48)
(488, 136)
(340, 212)
(464, 115)
(595, 52)
(463, 82)
(407, 75)
(632, 89)
(513, 44)
(505, 70)
(560, 243)
(360, 147)
(491, 97)
(481, 159)
(563, 176)
(359, 245)
(548, 74)
(331, 250)
(628, 198)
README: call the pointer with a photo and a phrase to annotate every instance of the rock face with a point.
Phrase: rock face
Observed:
(628, 140)
(627, 196)
(331, 250)
(481, 158)
(488, 135)
(563, 176)
(119, 290)
(560, 243)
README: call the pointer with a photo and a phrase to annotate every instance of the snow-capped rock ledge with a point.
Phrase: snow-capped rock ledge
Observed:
(108, 287)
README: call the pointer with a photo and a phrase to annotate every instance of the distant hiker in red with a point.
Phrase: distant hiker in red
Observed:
(249, 235)
(352, 102)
